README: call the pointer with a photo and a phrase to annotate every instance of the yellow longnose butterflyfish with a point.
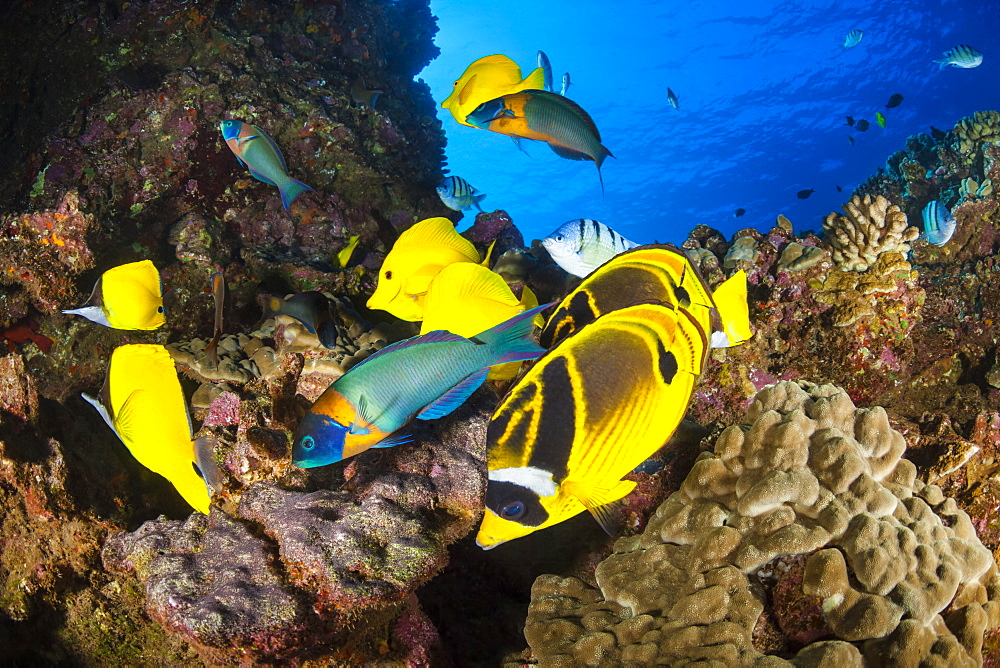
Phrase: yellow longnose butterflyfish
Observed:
(486, 79)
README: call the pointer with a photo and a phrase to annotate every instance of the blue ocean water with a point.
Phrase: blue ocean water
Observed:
(763, 88)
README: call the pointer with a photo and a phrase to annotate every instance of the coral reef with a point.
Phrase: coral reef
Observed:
(895, 566)
(870, 227)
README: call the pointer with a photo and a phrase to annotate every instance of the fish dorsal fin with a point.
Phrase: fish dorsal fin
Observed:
(467, 90)
(344, 255)
(438, 336)
(266, 137)
(454, 397)
(437, 232)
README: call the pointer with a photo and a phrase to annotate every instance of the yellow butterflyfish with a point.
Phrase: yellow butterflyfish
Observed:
(586, 414)
(415, 259)
(143, 403)
(487, 79)
(126, 297)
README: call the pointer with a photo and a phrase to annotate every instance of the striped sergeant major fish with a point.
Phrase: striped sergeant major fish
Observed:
(458, 194)
(580, 246)
(939, 224)
(963, 56)
(853, 38)
(565, 84)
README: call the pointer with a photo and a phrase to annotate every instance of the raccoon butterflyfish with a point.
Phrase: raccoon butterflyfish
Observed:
(486, 79)
(586, 414)
(661, 273)
(426, 376)
(466, 298)
(416, 257)
(543, 116)
(254, 149)
(126, 297)
(143, 403)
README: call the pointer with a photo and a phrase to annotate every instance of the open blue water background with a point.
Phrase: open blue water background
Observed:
(764, 89)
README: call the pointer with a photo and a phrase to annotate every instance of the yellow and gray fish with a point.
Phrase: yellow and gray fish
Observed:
(126, 297)
(565, 84)
(672, 99)
(580, 246)
(853, 38)
(364, 96)
(458, 194)
(543, 62)
(143, 403)
(655, 273)
(963, 56)
(939, 224)
(312, 309)
(585, 415)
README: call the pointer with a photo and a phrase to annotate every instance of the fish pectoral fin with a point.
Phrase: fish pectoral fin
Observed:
(126, 424)
(395, 439)
(454, 397)
(243, 140)
(466, 92)
(604, 503)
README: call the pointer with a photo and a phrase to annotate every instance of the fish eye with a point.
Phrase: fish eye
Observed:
(559, 237)
(513, 511)
(307, 442)
(159, 309)
(388, 275)
(456, 82)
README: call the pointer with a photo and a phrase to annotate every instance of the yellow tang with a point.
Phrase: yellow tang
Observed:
(586, 414)
(126, 297)
(143, 403)
(655, 272)
(487, 79)
(416, 258)
(468, 299)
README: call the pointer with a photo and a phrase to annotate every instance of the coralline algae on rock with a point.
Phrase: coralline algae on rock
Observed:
(902, 577)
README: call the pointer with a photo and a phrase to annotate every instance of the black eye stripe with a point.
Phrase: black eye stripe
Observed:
(501, 494)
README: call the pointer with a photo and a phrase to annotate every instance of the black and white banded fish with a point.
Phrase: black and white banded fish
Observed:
(580, 246)
(853, 38)
(963, 56)
(458, 194)
(939, 224)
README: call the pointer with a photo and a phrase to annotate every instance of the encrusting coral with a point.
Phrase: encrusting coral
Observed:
(896, 567)
(871, 226)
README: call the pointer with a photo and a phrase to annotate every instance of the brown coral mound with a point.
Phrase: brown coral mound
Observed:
(871, 226)
(902, 577)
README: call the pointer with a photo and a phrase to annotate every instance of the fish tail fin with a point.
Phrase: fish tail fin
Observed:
(512, 340)
(477, 199)
(344, 255)
(731, 301)
(290, 190)
(489, 254)
(943, 63)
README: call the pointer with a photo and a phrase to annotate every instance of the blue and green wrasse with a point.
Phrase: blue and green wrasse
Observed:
(538, 114)
(426, 377)
(258, 153)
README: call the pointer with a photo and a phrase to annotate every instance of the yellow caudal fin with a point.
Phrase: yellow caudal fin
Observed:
(488, 255)
(731, 301)
(534, 81)
(437, 232)
(344, 256)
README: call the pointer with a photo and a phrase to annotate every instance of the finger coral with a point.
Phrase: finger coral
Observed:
(871, 226)
(972, 132)
(896, 568)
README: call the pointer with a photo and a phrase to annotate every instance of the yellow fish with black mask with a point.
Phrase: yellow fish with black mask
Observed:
(415, 259)
(585, 415)
(487, 79)
(655, 272)
(143, 403)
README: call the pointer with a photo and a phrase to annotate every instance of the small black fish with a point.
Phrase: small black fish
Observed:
(804, 194)
(739, 212)
(850, 120)
(672, 99)
(851, 140)
(862, 125)
(894, 101)
(938, 135)
(650, 467)
(839, 189)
